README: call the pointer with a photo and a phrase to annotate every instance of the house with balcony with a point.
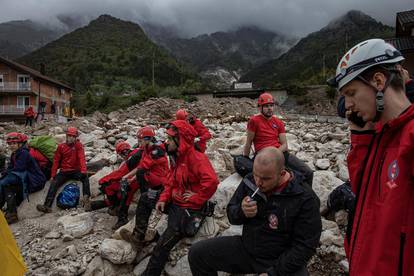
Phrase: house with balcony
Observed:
(21, 87)
(404, 38)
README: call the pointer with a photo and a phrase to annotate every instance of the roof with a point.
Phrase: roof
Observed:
(404, 44)
(33, 72)
(406, 17)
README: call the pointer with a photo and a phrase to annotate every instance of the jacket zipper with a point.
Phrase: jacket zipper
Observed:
(379, 175)
(401, 259)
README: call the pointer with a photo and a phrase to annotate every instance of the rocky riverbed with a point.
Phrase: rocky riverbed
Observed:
(73, 242)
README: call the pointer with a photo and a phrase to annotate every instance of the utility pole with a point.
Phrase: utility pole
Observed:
(153, 68)
(323, 67)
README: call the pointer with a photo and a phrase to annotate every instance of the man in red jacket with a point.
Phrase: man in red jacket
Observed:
(70, 160)
(118, 200)
(203, 135)
(380, 240)
(30, 115)
(266, 130)
(151, 173)
(191, 183)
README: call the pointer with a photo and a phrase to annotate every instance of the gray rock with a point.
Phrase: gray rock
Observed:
(78, 225)
(140, 268)
(182, 268)
(94, 180)
(117, 251)
(323, 164)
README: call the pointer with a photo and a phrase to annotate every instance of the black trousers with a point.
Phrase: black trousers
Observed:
(60, 179)
(145, 206)
(29, 121)
(226, 254)
(178, 224)
(299, 165)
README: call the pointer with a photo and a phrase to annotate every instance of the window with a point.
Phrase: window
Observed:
(1, 81)
(23, 82)
(23, 102)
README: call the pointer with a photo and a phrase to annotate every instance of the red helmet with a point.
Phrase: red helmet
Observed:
(24, 137)
(265, 98)
(121, 146)
(72, 131)
(14, 137)
(181, 114)
(146, 131)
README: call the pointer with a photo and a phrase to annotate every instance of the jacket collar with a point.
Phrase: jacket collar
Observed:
(407, 115)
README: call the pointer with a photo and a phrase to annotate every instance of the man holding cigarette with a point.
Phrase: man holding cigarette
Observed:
(281, 224)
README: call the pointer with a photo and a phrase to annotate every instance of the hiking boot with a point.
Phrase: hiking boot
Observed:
(97, 204)
(113, 210)
(121, 222)
(43, 208)
(11, 218)
(131, 237)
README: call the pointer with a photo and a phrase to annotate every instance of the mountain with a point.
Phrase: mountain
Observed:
(108, 54)
(232, 52)
(18, 38)
(304, 62)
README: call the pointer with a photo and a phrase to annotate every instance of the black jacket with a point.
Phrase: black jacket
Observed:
(286, 230)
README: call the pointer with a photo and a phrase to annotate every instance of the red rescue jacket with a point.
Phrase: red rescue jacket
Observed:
(202, 133)
(154, 161)
(69, 158)
(114, 180)
(190, 171)
(381, 166)
(29, 113)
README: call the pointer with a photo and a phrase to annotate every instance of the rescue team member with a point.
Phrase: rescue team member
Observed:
(70, 160)
(266, 130)
(30, 115)
(281, 224)
(151, 174)
(191, 183)
(203, 135)
(110, 185)
(381, 160)
(23, 176)
(43, 162)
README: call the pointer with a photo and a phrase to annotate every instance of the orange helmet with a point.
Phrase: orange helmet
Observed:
(14, 137)
(146, 131)
(121, 146)
(72, 131)
(181, 114)
(265, 98)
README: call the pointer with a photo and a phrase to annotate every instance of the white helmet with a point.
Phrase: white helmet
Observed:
(363, 56)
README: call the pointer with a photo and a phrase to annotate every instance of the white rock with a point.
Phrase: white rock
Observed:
(343, 172)
(129, 226)
(323, 184)
(78, 225)
(225, 191)
(233, 230)
(323, 164)
(87, 138)
(94, 180)
(53, 235)
(100, 144)
(95, 267)
(140, 268)
(117, 251)
(182, 268)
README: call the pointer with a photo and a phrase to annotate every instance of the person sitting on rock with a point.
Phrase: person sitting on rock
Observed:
(152, 174)
(44, 163)
(281, 224)
(266, 130)
(203, 135)
(22, 176)
(70, 160)
(191, 183)
(118, 200)
(30, 115)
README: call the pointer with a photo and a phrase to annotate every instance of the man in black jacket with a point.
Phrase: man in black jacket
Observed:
(281, 225)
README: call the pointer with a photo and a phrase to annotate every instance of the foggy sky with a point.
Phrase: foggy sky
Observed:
(193, 17)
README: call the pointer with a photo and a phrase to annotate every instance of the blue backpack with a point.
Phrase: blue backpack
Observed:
(68, 197)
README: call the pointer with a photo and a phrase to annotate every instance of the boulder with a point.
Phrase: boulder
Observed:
(323, 184)
(117, 251)
(140, 268)
(323, 164)
(77, 225)
(225, 191)
(182, 268)
(94, 180)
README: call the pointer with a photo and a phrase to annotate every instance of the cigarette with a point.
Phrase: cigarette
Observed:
(255, 192)
(188, 213)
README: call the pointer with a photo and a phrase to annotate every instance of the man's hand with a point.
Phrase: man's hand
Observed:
(187, 195)
(353, 126)
(160, 206)
(249, 207)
